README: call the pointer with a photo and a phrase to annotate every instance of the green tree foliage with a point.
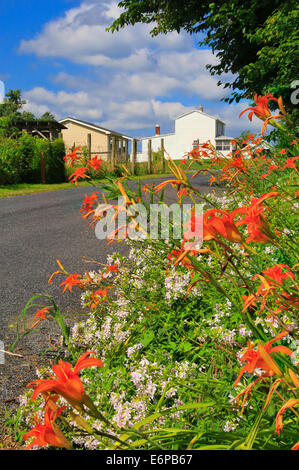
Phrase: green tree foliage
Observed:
(12, 107)
(255, 40)
(47, 117)
(12, 103)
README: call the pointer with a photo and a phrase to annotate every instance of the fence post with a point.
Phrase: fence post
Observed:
(149, 156)
(126, 151)
(134, 155)
(42, 168)
(113, 159)
(163, 156)
(89, 145)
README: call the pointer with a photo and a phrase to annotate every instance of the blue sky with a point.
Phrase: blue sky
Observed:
(59, 54)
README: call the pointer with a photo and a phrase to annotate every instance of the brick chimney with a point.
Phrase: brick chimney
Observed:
(157, 129)
(200, 108)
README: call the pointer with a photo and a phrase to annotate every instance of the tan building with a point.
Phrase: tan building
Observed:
(97, 139)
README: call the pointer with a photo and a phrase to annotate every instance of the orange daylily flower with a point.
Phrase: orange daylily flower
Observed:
(271, 279)
(40, 315)
(146, 188)
(78, 173)
(70, 281)
(165, 183)
(249, 301)
(71, 157)
(261, 110)
(214, 225)
(181, 193)
(257, 227)
(212, 180)
(66, 381)
(179, 254)
(61, 271)
(87, 204)
(275, 275)
(290, 163)
(112, 268)
(195, 153)
(47, 433)
(294, 378)
(247, 393)
(97, 295)
(95, 163)
(278, 422)
(261, 358)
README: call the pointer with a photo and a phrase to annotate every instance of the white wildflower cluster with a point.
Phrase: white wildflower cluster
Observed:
(218, 329)
(231, 424)
(150, 380)
(294, 346)
(243, 331)
(87, 442)
(223, 201)
(132, 350)
(176, 284)
(94, 276)
(269, 250)
(86, 334)
(145, 377)
(127, 412)
(184, 369)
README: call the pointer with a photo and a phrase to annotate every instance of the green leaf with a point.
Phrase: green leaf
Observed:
(147, 337)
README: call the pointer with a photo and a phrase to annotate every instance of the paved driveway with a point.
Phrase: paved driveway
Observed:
(35, 230)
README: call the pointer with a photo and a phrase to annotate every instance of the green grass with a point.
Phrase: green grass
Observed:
(30, 188)
(26, 188)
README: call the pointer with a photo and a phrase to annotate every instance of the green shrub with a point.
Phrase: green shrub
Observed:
(20, 160)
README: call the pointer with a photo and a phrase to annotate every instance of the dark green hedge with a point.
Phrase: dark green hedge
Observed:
(20, 160)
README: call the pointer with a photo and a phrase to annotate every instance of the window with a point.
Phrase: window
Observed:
(222, 145)
(219, 128)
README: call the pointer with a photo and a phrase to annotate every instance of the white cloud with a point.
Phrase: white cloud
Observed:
(128, 79)
(81, 36)
(40, 100)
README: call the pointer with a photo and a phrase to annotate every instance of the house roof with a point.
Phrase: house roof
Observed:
(38, 124)
(95, 127)
(156, 135)
(224, 137)
(200, 112)
(186, 114)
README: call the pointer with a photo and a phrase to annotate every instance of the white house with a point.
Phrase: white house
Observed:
(190, 130)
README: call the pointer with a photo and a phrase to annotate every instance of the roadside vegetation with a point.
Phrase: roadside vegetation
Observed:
(183, 346)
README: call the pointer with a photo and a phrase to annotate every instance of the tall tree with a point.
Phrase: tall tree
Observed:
(12, 103)
(47, 116)
(255, 40)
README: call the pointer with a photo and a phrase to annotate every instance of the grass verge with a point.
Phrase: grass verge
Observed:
(27, 188)
(30, 188)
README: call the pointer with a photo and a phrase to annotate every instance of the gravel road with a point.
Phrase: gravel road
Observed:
(35, 230)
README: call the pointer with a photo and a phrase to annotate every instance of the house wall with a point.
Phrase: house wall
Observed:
(77, 134)
(188, 128)
(194, 126)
